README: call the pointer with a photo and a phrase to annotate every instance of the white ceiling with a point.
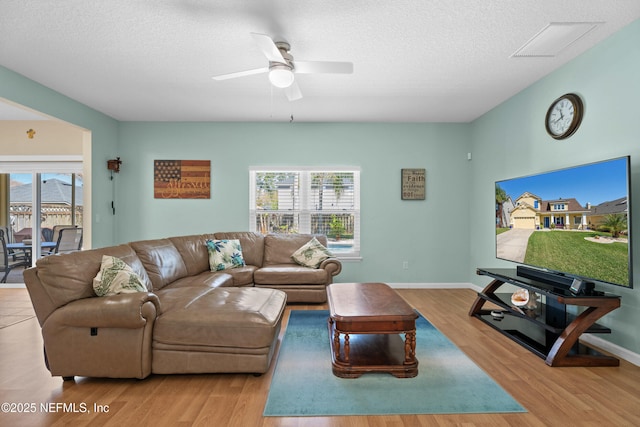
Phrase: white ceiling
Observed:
(414, 61)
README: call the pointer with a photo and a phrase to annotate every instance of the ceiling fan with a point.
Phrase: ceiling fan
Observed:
(282, 67)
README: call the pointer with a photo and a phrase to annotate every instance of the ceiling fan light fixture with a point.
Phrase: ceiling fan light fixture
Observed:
(281, 76)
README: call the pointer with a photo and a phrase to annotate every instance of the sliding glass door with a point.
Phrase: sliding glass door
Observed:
(33, 203)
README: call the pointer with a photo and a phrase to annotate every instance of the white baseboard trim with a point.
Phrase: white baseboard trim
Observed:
(434, 286)
(612, 348)
(591, 339)
(12, 286)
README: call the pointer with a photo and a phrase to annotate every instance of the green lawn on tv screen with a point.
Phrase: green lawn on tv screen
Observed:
(570, 252)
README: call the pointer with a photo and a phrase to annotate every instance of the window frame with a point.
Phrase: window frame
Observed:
(304, 206)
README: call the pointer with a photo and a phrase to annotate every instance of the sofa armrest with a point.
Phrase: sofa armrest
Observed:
(332, 265)
(129, 311)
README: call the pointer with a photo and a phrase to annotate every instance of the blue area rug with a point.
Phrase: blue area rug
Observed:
(448, 381)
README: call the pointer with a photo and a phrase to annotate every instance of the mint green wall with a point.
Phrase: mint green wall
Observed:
(430, 234)
(104, 130)
(511, 141)
(446, 237)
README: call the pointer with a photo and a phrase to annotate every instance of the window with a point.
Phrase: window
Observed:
(308, 200)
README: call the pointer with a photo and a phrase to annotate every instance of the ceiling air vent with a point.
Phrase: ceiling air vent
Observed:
(553, 38)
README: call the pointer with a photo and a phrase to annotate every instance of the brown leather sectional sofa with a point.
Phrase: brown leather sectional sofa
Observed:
(193, 321)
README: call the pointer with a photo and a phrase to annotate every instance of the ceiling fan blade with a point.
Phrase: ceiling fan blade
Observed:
(268, 47)
(320, 67)
(241, 74)
(293, 92)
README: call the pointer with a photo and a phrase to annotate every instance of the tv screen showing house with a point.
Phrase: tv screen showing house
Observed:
(573, 221)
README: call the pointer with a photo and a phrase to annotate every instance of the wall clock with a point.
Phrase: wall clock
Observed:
(564, 116)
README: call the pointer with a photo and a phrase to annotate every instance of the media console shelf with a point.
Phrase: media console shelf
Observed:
(550, 331)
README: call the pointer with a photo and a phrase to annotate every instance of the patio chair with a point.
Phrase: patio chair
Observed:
(56, 231)
(15, 255)
(69, 240)
(55, 235)
(47, 235)
(6, 262)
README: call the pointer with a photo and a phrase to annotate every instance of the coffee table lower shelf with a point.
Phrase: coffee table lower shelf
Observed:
(368, 353)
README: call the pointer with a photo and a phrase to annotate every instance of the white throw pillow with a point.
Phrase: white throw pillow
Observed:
(311, 254)
(224, 254)
(116, 277)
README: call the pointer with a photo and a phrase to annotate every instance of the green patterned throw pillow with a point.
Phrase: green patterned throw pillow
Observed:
(311, 254)
(224, 254)
(116, 277)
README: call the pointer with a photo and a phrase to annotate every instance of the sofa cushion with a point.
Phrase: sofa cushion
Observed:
(193, 251)
(68, 277)
(311, 254)
(207, 279)
(242, 276)
(224, 254)
(162, 261)
(221, 317)
(291, 274)
(252, 245)
(116, 277)
(278, 248)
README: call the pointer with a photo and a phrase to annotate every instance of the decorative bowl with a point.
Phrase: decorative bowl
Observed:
(520, 298)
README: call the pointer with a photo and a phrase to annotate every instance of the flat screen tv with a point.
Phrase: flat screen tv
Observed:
(571, 223)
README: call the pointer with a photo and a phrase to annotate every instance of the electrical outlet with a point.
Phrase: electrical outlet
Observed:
(405, 265)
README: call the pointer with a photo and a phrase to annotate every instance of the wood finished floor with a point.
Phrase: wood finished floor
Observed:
(15, 307)
(552, 396)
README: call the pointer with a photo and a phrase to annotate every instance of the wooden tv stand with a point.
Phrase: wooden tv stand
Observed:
(551, 331)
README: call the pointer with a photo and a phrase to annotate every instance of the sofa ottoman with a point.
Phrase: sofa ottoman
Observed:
(219, 330)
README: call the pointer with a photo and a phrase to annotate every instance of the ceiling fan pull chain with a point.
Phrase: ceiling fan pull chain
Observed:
(271, 100)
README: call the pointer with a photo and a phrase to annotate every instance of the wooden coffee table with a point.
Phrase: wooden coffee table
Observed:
(365, 320)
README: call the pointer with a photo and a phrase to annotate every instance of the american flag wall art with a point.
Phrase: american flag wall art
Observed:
(182, 179)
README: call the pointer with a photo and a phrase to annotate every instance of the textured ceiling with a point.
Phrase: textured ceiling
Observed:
(414, 61)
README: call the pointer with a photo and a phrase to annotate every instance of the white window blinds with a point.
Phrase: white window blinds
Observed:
(308, 200)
